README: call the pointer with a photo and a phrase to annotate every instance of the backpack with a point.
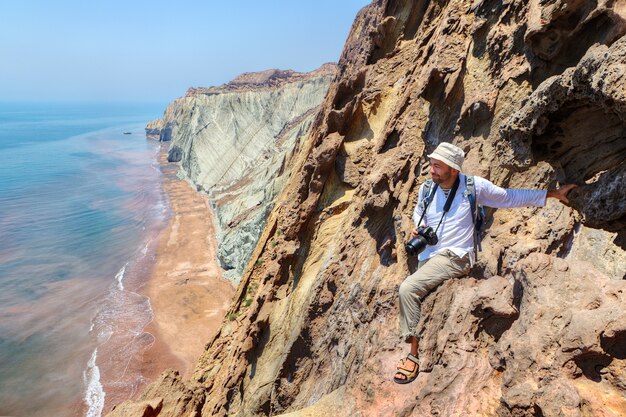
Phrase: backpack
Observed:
(478, 211)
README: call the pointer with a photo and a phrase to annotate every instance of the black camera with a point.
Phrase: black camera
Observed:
(425, 236)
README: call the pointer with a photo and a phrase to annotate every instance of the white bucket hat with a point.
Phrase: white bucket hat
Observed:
(451, 155)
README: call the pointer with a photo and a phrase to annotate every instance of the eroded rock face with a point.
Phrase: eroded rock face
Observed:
(576, 122)
(234, 142)
(527, 341)
(539, 328)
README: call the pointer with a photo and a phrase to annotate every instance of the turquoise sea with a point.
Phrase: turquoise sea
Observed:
(81, 205)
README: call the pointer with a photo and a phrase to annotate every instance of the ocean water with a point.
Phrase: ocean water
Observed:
(81, 206)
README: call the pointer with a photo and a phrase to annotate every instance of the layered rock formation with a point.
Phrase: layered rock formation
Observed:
(533, 91)
(235, 141)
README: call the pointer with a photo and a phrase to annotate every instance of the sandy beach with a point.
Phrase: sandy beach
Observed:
(188, 294)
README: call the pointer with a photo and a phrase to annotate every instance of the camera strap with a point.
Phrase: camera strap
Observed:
(431, 188)
(449, 200)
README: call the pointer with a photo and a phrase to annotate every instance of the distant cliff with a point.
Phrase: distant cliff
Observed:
(234, 142)
(535, 92)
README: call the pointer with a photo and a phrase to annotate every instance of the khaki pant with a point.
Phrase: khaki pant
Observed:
(429, 275)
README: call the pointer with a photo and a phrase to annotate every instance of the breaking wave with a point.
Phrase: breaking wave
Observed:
(119, 277)
(94, 396)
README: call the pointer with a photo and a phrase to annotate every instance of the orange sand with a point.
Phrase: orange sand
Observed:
(188, 294)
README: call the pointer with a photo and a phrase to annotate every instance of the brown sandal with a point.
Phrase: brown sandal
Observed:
(404, 375)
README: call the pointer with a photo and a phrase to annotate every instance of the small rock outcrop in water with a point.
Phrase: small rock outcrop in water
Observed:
(534, 92)
(234, 142)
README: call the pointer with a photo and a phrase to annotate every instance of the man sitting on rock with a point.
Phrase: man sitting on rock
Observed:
(444, 216)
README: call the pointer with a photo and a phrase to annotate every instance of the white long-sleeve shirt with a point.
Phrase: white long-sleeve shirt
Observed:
(456, 232)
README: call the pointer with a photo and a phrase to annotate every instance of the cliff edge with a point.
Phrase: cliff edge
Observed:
(234, 142)
(535, 93)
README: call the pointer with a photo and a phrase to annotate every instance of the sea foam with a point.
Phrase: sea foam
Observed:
(94, 395)
(119, 277)
(144, 250)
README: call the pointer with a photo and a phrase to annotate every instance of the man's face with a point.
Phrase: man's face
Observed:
(440, 172)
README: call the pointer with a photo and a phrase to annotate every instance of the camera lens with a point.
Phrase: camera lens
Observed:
(416, 245)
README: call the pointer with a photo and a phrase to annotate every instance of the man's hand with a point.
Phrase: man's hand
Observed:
(561, 193)
(414, 230)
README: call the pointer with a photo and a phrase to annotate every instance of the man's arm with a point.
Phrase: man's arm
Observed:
(491, 195)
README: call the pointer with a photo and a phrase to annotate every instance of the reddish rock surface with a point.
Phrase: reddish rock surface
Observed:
(533, 91)
(273, 78)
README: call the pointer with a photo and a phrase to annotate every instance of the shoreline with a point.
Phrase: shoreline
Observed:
(188, 294)
(185, 287)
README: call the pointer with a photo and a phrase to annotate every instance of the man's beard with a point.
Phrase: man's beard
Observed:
(441, 178)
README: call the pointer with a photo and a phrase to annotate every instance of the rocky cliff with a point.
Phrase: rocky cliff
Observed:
(235, 141)
(535, 93)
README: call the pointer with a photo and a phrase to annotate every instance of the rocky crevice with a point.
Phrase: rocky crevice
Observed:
(576, 123)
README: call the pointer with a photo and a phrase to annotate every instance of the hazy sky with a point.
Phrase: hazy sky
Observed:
(152, 51)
